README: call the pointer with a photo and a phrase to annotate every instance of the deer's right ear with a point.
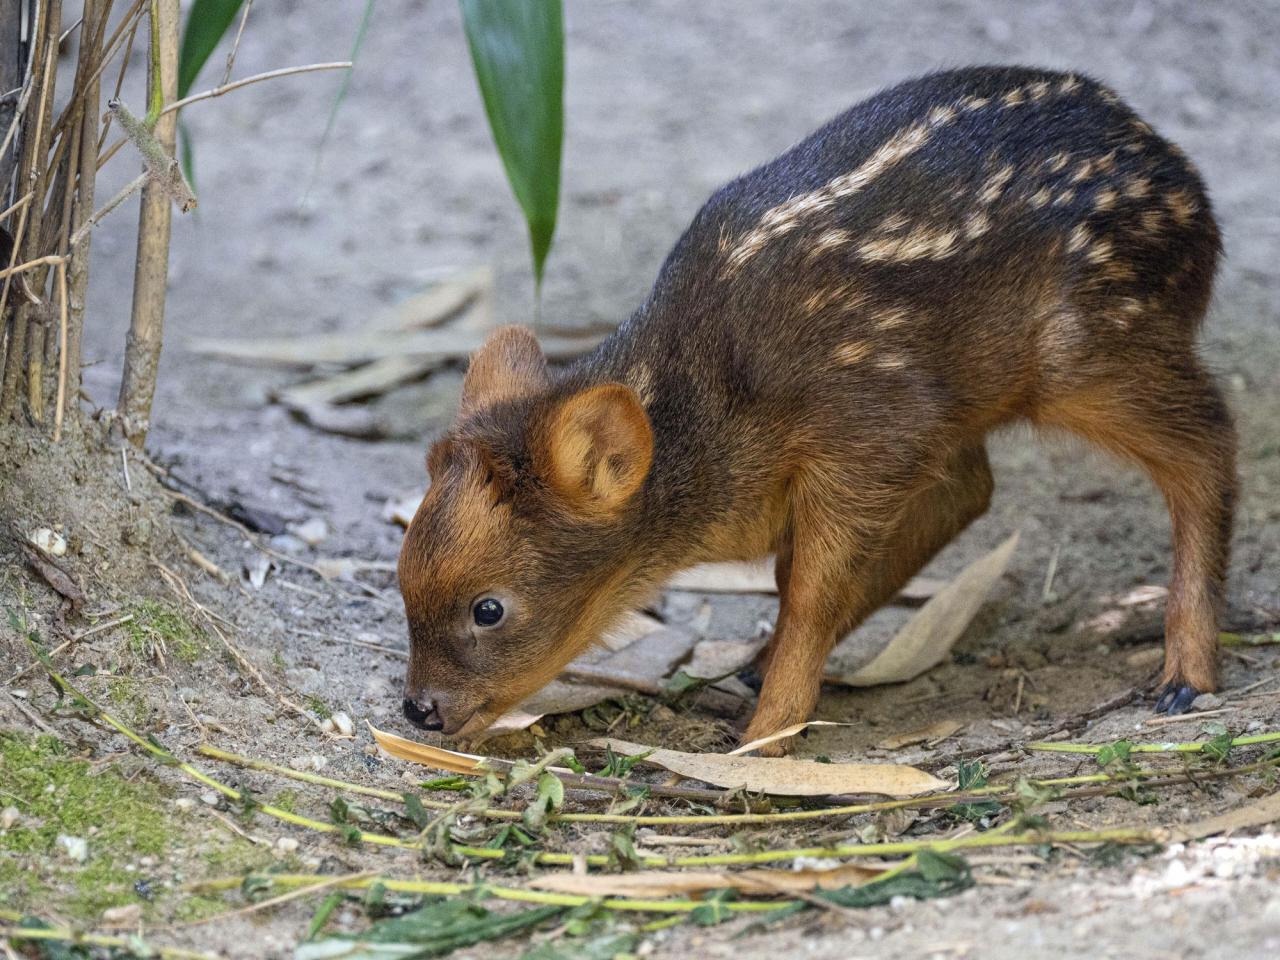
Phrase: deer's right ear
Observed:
(509, 365)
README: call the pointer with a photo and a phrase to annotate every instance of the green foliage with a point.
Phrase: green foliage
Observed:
(1218, 747)
(159, 628)
(455, 782)
(207, 23)
(58, 794)
(518, 53)
(619, 765)
(600, 946)
(972, 775)
(1114, 753)
(431, 931)
(548, 798)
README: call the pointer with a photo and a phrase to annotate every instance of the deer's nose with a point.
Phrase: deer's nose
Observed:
(422, 714)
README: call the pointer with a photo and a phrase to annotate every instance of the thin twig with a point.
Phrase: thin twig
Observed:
(15, 206)
(256, 78)
(52, 260)
(235, 47)
(128, 190)
(315, 888)
(62, 351)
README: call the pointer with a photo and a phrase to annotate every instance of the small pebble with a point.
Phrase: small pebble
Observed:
(185, 804)
(286, 845)
(123, 916)
(210, 798)
(343, 724)
(9, 816)
(1207, 701)
(50, 541)
(75, 848)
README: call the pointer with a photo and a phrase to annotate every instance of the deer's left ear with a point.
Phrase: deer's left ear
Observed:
(595, 448)
(509, 365)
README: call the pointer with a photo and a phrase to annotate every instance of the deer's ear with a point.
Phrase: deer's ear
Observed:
(595, 448)
(509, 365)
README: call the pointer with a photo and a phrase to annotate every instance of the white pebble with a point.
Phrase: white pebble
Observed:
(50, 541)
(76, 848)
(123, 916)
(210, 798)
(286, 845)
(343, 724)
(185, 804)
(9, 816)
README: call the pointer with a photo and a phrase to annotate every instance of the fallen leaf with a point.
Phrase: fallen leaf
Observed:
(428, 756)
(785, 776)
(1142, 595)
(670, 883)
(934, 731)
(462, 300)
(758, 577)
(719, 658)
(926, 639)
(400, 510)
(54, 575)
(782, 734)
(1259, 814)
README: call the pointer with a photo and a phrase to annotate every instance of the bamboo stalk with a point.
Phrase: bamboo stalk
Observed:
(86, 183)
(146, 331)
(129, 944)
(31, 170)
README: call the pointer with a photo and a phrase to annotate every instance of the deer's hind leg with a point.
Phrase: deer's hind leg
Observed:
(1164, 412)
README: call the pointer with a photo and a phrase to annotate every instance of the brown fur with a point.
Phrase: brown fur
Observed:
(814, 375)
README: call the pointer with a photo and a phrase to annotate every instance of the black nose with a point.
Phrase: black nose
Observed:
(428, 719)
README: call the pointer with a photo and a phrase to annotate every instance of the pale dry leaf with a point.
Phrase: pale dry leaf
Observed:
(435, 757)
(669, 883)
(926, 639)
(745, 576)
(1141, 596)
(1259, 814)
(934, 731)
(785, 776)
(719, 658)
(782, 734)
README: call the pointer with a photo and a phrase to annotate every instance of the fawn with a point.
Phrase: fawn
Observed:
(814, 373)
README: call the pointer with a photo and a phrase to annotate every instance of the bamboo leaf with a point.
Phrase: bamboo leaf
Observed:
(785, 776)
(207, 23)
(517, 50)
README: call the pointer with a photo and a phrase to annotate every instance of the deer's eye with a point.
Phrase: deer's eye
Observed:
(487, 612)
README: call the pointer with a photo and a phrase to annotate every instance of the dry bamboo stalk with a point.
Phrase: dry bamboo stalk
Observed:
(142, 350)
(96, 12)
(31, 169)
(62, 351)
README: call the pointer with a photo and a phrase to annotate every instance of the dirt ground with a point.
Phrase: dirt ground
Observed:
(665, 101)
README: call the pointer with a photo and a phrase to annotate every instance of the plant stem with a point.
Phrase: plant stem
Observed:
(442, 889)
(46, 934)
(146, 331)
(1186, 747)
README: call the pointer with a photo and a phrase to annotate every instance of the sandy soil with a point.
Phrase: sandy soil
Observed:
(665, 100)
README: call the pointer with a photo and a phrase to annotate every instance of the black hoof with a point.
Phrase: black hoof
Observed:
(750, 676)
(1176, 698)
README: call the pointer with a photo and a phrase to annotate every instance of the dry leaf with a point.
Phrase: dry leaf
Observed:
(1259, 814)
(428, 756)
(733, 577)
(719, 658)
(784, 776)
(1140, 596)
(364, 346)
(685, 883)
(782, 734)
(758, 577)
(926, 639)
(935, 731)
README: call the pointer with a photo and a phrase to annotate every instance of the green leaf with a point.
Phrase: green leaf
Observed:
(415, 810)
(431, 931)
(713, 909)
(1219, 747)
(935, 875)
(971, 774)
(207, 23)
(550, 796)
(1114, 751)
(517, 50)
(605, 946)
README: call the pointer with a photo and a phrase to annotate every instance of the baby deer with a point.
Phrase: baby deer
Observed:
(815, 372)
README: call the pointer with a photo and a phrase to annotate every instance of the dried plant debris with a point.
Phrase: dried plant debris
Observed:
(784, 776)
(927, 638)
